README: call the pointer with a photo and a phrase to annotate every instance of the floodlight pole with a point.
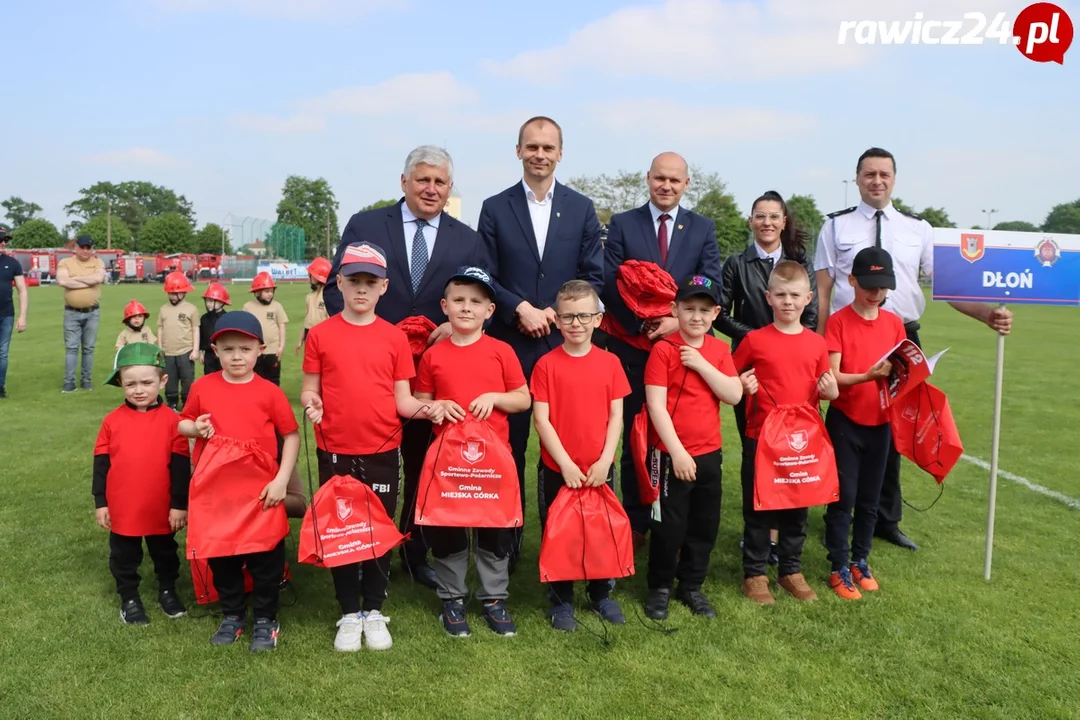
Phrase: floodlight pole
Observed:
(994, 445)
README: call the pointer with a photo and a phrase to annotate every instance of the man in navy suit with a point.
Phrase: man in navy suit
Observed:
(682, 243)
(424, 248)
(537, 235)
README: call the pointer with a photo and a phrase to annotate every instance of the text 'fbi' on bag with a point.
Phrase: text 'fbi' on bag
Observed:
(346, 523)
(587, 537)
(469, 479)
(795, 465)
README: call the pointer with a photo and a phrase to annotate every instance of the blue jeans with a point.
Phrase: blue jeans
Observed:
(79, 329)
(6, 325)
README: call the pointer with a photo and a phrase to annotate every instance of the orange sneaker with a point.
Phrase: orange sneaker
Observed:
(796, 585)
(860, 573)
(841, 583)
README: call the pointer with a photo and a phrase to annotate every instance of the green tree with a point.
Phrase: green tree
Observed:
(208, 240)
(97, 228)
(379, 204)
(134, 202)
(902, 206)
(627, 190)
(36, 233)
(732, 231)
(168, 233)
(807, 216)
(19, 211)
(1017, 226)
(1064, 218)
(310, 205)
(937, 217)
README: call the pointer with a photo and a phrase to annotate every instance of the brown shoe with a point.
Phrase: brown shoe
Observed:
(757, 589)
(796, 585)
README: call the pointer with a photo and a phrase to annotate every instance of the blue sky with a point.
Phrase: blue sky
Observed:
(222, 99)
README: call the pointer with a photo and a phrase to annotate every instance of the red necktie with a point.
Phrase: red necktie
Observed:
(661, 236)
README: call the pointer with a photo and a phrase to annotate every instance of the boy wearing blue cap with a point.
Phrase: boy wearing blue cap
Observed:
(239, 404)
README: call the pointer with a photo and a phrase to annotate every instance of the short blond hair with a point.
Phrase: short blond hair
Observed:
(576, 290)
(788, 271)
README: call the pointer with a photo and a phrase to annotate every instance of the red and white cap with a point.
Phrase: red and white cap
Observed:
(363, 257)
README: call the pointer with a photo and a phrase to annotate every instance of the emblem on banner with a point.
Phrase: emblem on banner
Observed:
(1047, 252)
(972, 246)
(798, 440)
(344, 509)
(473, 451)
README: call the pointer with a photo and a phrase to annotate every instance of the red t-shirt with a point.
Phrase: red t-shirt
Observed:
(140, 446)
(256, 410)
(358, 366)
(462, 373)
(787, 369)
(696, 413)
(861, 343)
(579, 391)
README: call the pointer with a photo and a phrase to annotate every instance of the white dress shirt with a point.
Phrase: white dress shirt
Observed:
(430, 231)
(774, 255)
(540, 213)
(908, 240)
(670, 222)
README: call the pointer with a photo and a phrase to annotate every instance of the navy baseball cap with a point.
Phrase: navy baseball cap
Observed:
(698, 286)
(471, 275)
(85, 241)
(873, 268)
(363, 257)
(5, 235)
(239, 321)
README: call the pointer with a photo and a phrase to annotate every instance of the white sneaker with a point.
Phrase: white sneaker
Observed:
(349, 634)
(378, 637)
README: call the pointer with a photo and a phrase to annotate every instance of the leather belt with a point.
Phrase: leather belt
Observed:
(92, 308)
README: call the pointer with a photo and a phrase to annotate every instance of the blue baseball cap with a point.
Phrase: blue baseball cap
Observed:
(363, 257)
(471, 275)
(85, 241)
(239, 321)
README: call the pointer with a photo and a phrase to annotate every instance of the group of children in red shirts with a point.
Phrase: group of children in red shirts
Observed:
(360, 381)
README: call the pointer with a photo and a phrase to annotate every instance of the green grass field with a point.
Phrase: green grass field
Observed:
(936, 641)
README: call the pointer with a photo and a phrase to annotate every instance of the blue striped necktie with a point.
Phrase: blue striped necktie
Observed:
(419, 258)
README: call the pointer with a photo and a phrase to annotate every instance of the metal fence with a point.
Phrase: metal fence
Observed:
(282, 241)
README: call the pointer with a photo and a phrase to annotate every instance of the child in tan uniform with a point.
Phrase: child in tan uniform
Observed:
(178, 336)
(135, 317)
(318, 271)
(273, 319)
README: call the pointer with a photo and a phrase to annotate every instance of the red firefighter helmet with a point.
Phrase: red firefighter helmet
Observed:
(217, 291)
(134, 308)
(262, 281)
(319, 269)
(177, 282)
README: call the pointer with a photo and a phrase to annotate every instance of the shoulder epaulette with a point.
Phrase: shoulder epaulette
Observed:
(843, 212)
(911, 215)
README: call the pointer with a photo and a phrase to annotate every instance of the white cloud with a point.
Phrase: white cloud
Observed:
(636, 117)
(294, 9)
(297, 124)
(135, 156)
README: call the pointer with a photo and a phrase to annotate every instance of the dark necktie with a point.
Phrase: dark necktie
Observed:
(877, 222)
(419, 256)
(662, 238)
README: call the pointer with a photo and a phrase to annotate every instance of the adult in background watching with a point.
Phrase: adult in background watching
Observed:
(81, 277)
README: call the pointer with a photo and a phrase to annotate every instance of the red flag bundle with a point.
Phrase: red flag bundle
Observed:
(648, 291)
(469, 479)
(795, 465)
(225, 515)
(587, 537)
(924, 431)
(346, 523)
(418, 329)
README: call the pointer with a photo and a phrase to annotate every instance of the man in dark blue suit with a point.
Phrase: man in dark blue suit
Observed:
(537, 235)
(682, 243)
(424, 248)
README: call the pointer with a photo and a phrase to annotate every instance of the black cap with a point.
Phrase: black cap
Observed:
(471, 275)
(85, 241)
(239, 321)
(698, 286)
(5, 234)
(873, 268)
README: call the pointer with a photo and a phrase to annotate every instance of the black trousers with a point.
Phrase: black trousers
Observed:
(790, 524)
(380, 473)
(415, 439)
(181, 371)
(681, 542)
(550, 483)
(633, 362)
(861, 455)
(126, 554)
(266, 569)
(269, 368)
(211, 363)
(891, 504)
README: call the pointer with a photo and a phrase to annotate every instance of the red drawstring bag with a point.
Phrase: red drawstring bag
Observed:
(418, 329)
(647, 289)
(924, 431)
(587, 537)
(469, 479)
(203, 581)
(795, 465)
(346, 523)
(612, 327)
(225, 515)
(648, 483)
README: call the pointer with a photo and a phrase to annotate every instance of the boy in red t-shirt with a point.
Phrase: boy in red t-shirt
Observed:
(239, 404)
(687, 376)
(578, 393)
(858, 336)
(472, 373)
(140, 486)
(791, 365)
(362, 365)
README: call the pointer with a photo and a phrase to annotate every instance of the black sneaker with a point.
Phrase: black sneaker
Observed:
(132, 612)
(498, 619)
(3, 392)
(170, 604)
(453, 619)
(609, 610)
(68, 389)
(656, 605)
(264, 634)
(231, 628)
(697, 602)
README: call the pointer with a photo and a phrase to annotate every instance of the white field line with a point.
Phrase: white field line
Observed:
(1053, 494)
